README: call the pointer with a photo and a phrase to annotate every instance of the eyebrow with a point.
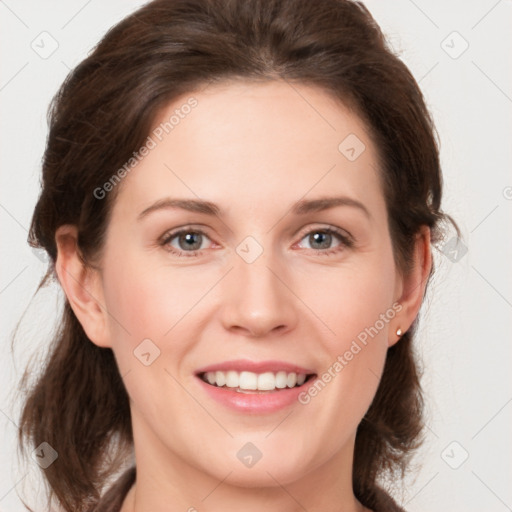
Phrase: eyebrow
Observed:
(302, 207)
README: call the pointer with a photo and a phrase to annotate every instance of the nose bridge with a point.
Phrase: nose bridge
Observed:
(257, 300)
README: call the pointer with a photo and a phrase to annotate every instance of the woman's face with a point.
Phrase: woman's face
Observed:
(260, 285)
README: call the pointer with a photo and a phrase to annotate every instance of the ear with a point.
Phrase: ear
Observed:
(411, 287)
(82, 285)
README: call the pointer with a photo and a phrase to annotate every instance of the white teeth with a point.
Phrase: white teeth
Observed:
(220, 378)
(281, 380)
(232, 379)
(267, 381)
(248, 380)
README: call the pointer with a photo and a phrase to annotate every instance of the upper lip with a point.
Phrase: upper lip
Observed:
(240, 365)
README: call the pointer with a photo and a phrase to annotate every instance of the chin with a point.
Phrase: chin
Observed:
(270, 466)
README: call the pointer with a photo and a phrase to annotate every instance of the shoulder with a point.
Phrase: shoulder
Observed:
(113, 499)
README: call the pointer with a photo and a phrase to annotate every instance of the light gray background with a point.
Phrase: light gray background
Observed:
(464, 337)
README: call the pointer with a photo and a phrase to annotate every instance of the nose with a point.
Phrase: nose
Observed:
(257, 300)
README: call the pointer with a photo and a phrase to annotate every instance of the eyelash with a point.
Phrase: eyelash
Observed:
(346, 241)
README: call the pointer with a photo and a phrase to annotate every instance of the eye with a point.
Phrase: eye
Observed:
(192, 241)
(185, 242)
(323, 238)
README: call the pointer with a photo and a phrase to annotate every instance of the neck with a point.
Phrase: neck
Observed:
(165, 481)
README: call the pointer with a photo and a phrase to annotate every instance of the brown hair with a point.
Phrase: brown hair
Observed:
(102, 114)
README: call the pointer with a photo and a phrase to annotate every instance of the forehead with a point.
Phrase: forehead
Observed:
(255, 142)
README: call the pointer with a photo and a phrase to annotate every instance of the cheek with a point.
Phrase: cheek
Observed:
(157, 303)
(149, 333)
(357, 306)
(356, 303)
(147, 302)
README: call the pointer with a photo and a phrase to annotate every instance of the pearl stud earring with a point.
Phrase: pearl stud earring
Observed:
(399, 332)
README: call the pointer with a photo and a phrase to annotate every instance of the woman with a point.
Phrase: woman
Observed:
(195, 160)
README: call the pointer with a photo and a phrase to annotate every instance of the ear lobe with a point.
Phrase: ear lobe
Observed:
(82, 286)
(413, 285)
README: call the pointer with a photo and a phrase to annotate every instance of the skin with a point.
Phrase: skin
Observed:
(254, 149)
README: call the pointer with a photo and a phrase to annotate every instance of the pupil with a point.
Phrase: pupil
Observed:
(318, 239)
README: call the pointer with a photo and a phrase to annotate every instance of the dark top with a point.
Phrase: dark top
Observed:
(112, 501)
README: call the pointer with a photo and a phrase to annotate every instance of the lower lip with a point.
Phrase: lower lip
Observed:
(266, 402)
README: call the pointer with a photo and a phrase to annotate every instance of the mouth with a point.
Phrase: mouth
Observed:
(255, 383)
(246, 386)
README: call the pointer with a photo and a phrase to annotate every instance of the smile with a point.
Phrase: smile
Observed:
(255, 387)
